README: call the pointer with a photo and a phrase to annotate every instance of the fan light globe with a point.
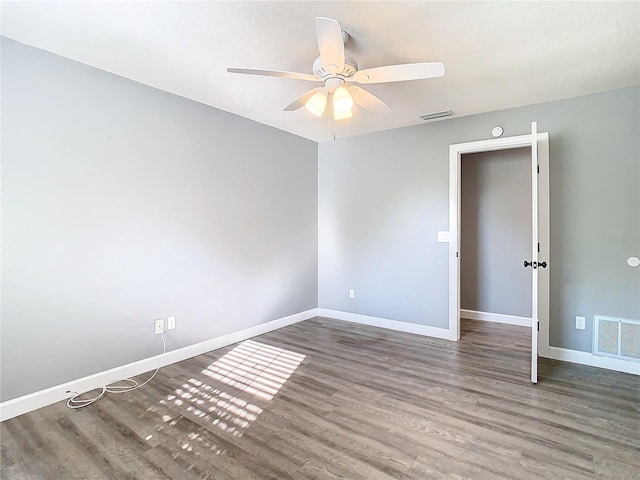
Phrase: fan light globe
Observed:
(342, 101)
(342, 115)
(317, 103)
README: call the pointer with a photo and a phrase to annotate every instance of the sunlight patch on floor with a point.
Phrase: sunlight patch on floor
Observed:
(254, 368)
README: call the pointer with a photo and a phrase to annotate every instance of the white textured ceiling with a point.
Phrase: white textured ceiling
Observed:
(497, 54)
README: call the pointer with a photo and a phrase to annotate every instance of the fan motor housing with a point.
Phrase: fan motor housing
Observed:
(350, 68)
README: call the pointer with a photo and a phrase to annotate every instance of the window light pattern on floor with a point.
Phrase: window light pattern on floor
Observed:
(255, 368)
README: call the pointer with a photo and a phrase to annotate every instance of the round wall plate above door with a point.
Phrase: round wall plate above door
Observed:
(497, 132)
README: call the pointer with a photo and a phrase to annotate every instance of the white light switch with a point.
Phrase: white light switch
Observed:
(443, 237)
(352, 293)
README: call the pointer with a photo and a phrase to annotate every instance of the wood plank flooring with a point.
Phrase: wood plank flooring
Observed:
(325, 399)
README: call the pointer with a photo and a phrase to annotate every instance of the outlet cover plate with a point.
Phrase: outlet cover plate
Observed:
(580, 323)
(159, 326)
(443, 236)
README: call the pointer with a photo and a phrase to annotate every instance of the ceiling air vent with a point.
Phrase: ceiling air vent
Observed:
(616, 337)
(433, 116)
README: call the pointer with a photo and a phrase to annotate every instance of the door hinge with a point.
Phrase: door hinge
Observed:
(538, 168)
(538, 325)
(457, 254)
(538, 247)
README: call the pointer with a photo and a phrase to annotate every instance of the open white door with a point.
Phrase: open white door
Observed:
(534, 252)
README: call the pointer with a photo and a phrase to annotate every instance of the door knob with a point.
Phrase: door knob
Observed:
(535, 264)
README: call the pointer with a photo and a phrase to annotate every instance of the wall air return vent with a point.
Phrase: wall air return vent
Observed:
(616, 337)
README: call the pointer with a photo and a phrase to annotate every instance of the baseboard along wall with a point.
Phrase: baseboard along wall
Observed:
(588, 358)
(496, 317)
(556, 353)
(33, 401)
(387, 323)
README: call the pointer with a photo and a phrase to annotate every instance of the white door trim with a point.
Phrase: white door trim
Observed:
(455, 153)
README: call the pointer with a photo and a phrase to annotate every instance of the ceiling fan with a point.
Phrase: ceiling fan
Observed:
(339, 72)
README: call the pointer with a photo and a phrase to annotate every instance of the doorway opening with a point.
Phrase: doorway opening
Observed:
(495, 227)
(538, 260)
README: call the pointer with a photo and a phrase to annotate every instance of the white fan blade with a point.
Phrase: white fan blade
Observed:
(368, 100)
(302, 100)
(330, 44)
(274, 73)
(399, 73)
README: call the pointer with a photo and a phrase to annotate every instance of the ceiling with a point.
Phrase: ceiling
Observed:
(497, 54)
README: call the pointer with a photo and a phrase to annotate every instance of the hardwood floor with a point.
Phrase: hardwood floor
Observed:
(327, 399)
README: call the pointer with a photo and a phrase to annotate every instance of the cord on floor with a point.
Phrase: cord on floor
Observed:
(114, 387)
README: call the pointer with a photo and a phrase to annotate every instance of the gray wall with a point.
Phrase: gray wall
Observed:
(122, 204)
(384, 196)
(495, 227)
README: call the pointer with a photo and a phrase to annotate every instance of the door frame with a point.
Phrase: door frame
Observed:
(455, 154)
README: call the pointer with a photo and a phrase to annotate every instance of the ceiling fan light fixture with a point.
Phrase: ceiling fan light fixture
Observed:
(337, 71)
(317, 103)
(342, 101)
(342, 115)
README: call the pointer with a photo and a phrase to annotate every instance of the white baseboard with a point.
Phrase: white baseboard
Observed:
(573, 356)
(496, 317)
(33, 401)
(386, 323)
(588, 358)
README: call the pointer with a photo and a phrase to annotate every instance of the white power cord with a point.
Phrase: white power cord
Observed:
(113, 387)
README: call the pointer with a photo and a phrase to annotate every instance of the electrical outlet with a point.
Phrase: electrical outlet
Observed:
(159, 326)
(352, 293)
(171, 322)
(580, 323)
